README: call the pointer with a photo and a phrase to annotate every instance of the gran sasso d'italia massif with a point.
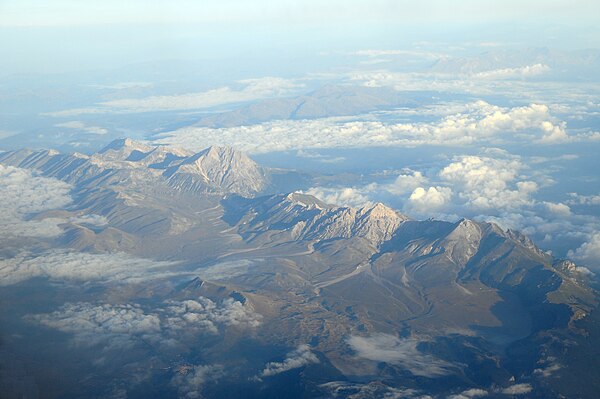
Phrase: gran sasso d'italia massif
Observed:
(164, 272)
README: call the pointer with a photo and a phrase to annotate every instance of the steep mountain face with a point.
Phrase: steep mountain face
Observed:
(221, 168)
(364, 299)
(305, 217)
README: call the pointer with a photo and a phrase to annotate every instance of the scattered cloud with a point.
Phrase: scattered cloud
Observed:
(589, 252)
(406, 182)
(429, 200)
(517, 389)
(485, 182)
(375, 389)
(117, 325)
(190, 380)
(403, 352)
(345, 196)
(297, 358)
(24, 193)
(251, 89)
(470, 394)
(124, 85)
(82, 127)
(511, 73)
(578, 199)
(124, 325)
(549, 370)
(62, 265)
(206, 315)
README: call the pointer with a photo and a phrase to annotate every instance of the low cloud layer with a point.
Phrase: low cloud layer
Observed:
(478, 122)
(60, 265)
(402, 352)
(24, 193)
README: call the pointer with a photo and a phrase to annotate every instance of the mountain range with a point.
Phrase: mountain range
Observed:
(349, 302)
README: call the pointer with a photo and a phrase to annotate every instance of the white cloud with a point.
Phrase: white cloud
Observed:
(253, 89)
(190, 380)
(205, 314)
(403, 352)
(77, 125)
(297, 358)
(469, 394)
(489, 183)
(23, 192)
(406, 183)
(511, 73)
(344, 196)
(124, 325)
(117, 325)
(549, 370)
(518, 389)
(578, 199)
(124, 85)
(345, 389)
(589, 252)
(558, 209)
(429, 200)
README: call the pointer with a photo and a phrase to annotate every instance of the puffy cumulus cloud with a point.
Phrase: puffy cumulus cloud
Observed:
(124, 325)
(470, 394)
(190, 380)
(116, 325)
(558, 209)
(251, 89)
(24, 193)
(488, 183)
(402, 352)
(589, 252)
(59, 265)
(80, 126)
(478, 122)
(517, 389)
(206, 315)
(578, 199)
(432, 199)
(297, 358)
(345, 196)
(406, 183)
